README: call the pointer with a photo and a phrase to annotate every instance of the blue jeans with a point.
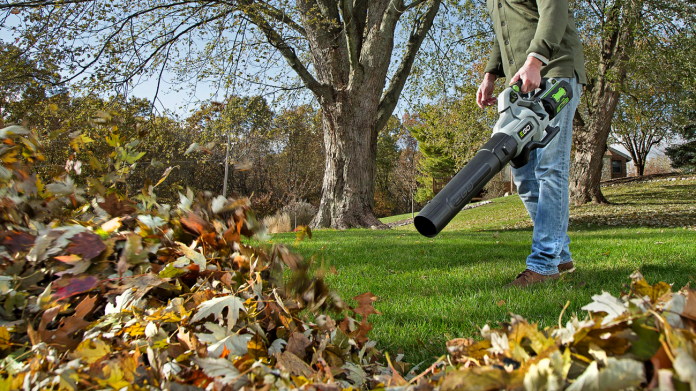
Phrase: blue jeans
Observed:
(543, 187)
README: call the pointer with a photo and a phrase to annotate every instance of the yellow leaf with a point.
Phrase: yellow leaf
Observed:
(10, 157)
(40, 186)
(114, 377)
(44, 299)
(6, 384)
(4, 339)
(135, 330)
(91, 350)
(654, 292)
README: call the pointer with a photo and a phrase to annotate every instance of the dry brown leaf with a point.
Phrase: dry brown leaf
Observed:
(293, 364)
(365, 307)
(116, 208)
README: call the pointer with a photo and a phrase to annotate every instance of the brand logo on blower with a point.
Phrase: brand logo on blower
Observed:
(525, 131)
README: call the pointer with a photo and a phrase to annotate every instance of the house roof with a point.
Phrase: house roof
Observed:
(615, 151)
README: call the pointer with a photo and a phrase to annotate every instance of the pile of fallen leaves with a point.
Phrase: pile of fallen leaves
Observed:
(100, 290)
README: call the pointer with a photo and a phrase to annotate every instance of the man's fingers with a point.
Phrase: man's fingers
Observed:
(515, 78)
(527, 86)
(479, 98)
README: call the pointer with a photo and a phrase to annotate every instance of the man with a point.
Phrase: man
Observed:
(535, 39)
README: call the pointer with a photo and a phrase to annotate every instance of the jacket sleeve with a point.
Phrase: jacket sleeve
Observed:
(495, 61)
(553, 19)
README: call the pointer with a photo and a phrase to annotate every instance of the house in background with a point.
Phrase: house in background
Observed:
(614, 164)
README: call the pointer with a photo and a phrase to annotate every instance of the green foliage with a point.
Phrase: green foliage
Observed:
(449, 134)
(26, 83)
(683, 156)
(387, 159)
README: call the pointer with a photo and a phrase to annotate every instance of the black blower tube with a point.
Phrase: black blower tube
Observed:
(489, 160)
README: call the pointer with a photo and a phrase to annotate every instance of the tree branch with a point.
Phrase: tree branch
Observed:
(352, 40)
(288, 53)
(391, 96)
(282, 17)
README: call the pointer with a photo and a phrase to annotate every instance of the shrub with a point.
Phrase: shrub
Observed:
(299, 212)
(277, 223)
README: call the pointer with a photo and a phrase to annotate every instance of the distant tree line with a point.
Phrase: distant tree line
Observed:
(276, 156)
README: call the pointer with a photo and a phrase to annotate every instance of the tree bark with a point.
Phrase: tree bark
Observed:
(591, 144)
(350, 139)
(591, 136)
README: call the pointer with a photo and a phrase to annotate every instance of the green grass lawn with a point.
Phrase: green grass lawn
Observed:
(432, 290)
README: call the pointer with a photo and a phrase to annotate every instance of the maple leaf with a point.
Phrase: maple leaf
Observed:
(87, 244)
(62, 336)
(294, 365)
(116, 208)
(608, 304)
(302, 232)
(217, 305)
(297, 344)
(641, 286)
(91, 350)
(365, 307)
(195, 257)
(221, 341)
(151, 222)
(218, 368)
(62, 188)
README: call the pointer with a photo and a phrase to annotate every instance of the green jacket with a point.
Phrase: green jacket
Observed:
(544, 27)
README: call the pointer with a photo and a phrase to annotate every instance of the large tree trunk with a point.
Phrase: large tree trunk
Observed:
(591, 144)
(350, 139)
(602, 98)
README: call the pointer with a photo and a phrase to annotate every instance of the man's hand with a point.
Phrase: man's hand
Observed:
(530, 73)
(484, 95)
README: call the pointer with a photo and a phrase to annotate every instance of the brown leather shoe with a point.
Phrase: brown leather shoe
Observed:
(528, 277)
(567, 267)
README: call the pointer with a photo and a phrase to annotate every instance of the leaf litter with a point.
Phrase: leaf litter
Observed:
(115, 293)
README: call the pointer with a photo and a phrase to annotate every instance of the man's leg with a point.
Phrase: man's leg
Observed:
(550, 239)
(527, 184)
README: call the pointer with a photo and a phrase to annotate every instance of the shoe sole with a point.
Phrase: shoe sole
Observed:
(567, 271)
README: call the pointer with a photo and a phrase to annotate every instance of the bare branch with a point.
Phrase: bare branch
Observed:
(391, 96)
(414, 4)
(288, 52)
(281, 16)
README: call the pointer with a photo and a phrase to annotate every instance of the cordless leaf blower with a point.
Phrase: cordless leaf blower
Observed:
(523, 119)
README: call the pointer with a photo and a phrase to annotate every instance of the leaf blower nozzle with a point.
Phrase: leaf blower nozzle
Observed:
(487, 162)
